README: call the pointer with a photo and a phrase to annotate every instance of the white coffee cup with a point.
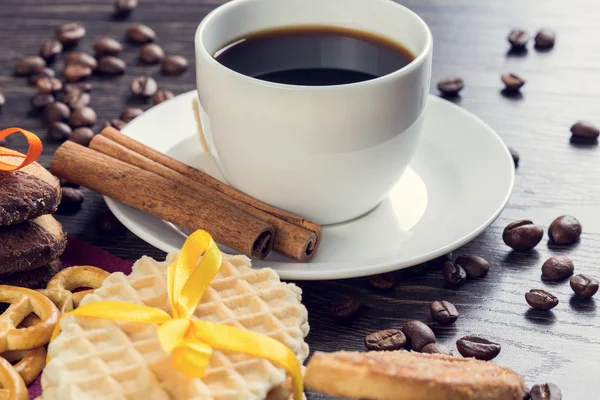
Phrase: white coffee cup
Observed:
(327, 153)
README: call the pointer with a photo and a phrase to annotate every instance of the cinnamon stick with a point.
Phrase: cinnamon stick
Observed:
(290, 240)
(163, 198)
(208, 180)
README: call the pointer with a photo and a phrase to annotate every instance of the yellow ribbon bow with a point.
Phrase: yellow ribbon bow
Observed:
(191, 341)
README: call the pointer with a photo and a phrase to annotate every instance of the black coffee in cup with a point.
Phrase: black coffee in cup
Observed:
(314, 55)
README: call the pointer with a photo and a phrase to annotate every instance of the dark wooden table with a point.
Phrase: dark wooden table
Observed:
(554, 178)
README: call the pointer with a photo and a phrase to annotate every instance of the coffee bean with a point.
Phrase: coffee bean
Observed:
(386, 340)
(130, 113)
(515, 156)
(30, 65)
(584, 285)
(450, 86)
(439, 261)
(174, 65)
(345, 309)
(115, 123)
(151, 53)
(162, 95)
(71, 199)
(56, 111)
(474, 266)
(2, 99)
(81, 58)
(513, 82)
(454, 274)
(435, 348)
(547, 391)
(111, 65)
(545, 39)
(77, 99)
(58, 131)
(109, 224)
(48, 85)
(70, 33)
(565, 230)
(584, 132)
(82, 136)
(417, 334)
(479, 348)
(141, 34)
(443, 312)
(557, 268)
(143, 86)
(40, 101)
(518, 39)
(83, 116)
(541, 300)
(107, 47)
(76, 72)
(522, 235)
(78, 87)
(124, 7)
(383, 281)
(41, 73)
(50, 49)
(418, 270)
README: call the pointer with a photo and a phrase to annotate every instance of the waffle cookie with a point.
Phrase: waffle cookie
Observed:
(34, 279)
(28, 193)
(31, 244)
(403, 375)
(101, 359)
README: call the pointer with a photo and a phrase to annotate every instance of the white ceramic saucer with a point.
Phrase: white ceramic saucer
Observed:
(457, 184)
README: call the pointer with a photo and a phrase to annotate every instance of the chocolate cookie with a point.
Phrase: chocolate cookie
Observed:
(31, 244)
(27, 193)
(35, 279)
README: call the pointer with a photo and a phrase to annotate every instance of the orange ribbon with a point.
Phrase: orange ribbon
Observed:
(34, 151)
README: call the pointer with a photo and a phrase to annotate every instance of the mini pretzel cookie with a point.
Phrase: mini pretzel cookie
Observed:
(22, 303)
(74, 278)
(13, 387)
(30, 363)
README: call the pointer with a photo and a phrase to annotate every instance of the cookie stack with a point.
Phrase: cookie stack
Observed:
(31, 240)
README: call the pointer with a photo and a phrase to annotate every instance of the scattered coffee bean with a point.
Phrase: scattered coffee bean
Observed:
(522, 235)
(77, 99)
(78, 86)
(515, 156)
(443, 312)
(41, 73)
(130, 113)
(584, 132)
(479, 348)
(345, 309)
(436, 348)
(418, 270)
(141, 34)
(70, 33)
(82, 136)
(557, 268)
(512, 82)
(174, 65)
(143, 86)
(547, 391)
(56, 111)
(83, 116)
(48, 85)
(450, 86)
(111, 65)
(115, 123)
(584, 285)
(124, 7)
(386, 340)
(454, 274)
(2, 99)
(162, 95)
(58, 131)
(151, 53)
(82, 59)
(107, 47)
(383, 281)
(50, 49)
(76, 72)
(109, 224)
(71, 199)
(439, 261)
(518, 39)
(545, 39)
(474, 266)
(541, 300)
(417, 334)
(30, 65)
(565, 230)
(40, 101)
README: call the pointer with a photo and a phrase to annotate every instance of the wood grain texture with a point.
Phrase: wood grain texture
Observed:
(554, 177)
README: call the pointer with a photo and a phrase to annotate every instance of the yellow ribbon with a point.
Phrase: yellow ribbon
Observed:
(191, 341)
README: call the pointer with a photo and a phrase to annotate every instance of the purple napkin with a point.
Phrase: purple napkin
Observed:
(81, 253)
